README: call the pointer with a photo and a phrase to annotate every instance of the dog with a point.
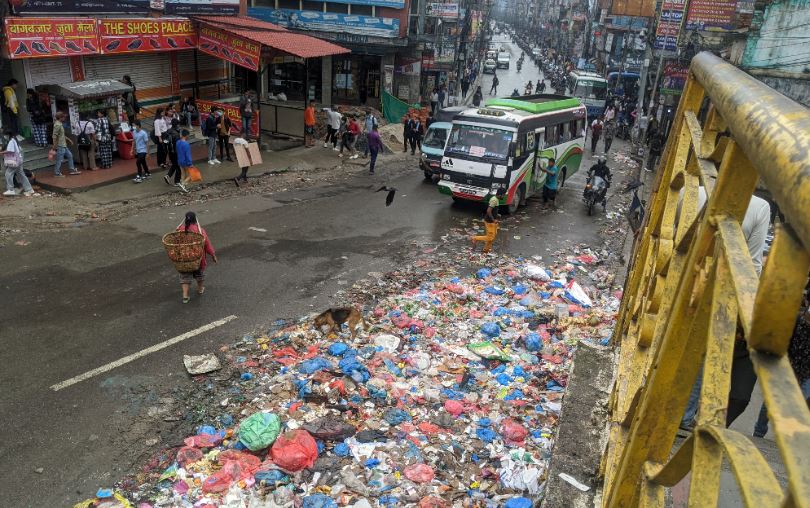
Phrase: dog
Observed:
(334, 318)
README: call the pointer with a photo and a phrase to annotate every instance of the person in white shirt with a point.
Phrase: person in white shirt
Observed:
(160, 126)
(13, 161)
(434, 100)
(86, 137)
(332, 127)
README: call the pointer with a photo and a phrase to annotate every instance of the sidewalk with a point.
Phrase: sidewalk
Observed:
(123, 171)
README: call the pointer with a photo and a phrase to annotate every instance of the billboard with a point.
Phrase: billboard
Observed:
(48, 37)
(442, 10)
(669, 24)
(62, 7)
(187, 7)
(715, 14)
(235, 49)
(643, 8)
(136, 35)
(328, 21)
(675, 75)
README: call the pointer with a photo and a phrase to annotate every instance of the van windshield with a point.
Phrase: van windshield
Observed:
(479, 141)
(435, 138)
(591, 90)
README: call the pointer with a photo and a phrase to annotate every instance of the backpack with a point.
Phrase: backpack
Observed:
(169, 138)
(83, 140)
(210, 126)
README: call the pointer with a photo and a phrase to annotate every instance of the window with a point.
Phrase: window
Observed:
(309, 5)
(415, 7)
(413, 28)
(289, 4)
(362, 10)
(551, 135)
(580, 128)
(530, 141)
(479, 141)
(337, 8)
(565, 132)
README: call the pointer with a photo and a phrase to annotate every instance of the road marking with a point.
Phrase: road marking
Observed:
(140, 354)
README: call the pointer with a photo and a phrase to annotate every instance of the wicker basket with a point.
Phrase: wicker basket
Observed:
(185, 249)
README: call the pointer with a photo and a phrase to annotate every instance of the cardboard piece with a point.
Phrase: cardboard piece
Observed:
(249, 155)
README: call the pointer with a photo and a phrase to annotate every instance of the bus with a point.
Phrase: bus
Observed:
(501, 145)
(623, 84)
(591, 88)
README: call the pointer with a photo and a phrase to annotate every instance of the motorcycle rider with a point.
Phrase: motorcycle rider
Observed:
(529, 88)
(515, 93)
(601, 170)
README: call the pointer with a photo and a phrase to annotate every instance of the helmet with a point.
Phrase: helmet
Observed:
(601, 160)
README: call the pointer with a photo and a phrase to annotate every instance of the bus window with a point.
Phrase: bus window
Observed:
(530, 141)
(565, 133)
(580, 128)
(551, 135)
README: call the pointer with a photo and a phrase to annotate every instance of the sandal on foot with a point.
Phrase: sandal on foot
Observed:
(186, 299)
(201, 291)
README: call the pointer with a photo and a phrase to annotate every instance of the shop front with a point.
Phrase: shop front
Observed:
(283, 68)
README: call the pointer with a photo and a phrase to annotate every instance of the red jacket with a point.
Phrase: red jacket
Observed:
(209, 249)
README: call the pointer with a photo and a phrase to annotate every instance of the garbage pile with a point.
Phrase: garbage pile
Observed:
(449, 396)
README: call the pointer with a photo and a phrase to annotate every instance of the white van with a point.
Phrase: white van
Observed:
(503, 60)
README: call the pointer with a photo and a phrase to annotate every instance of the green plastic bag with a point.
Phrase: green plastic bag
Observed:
(259, 430)
(489, 351)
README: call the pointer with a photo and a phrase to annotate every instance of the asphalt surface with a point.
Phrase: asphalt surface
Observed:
(77, 299)
(510, 79)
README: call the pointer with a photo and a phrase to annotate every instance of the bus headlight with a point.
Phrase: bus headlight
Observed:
(424, 156)
(445, 176)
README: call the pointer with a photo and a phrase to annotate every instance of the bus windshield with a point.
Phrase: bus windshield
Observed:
(591, 89)
(479, 141)
(435, 138)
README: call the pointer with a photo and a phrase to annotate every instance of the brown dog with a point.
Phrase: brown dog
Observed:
(336, 317)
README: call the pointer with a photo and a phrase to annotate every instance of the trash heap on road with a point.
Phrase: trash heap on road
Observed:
(450, 397)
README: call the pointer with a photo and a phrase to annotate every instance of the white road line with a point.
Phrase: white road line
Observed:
(143, 352)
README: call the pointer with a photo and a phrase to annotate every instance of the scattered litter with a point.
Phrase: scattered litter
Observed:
(260, 230)
(202, 364)
(573, 481)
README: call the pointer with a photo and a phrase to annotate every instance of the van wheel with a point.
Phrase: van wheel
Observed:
(428, 176)
(517, 200)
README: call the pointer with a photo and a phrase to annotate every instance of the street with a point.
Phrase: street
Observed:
(510, 79)
(80, 299)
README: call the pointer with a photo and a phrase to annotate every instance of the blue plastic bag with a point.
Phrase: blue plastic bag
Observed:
(518, 502)
(485, 434)
(341, 450)
(495, 290)
(483, 273)
(314, 365)
(338, 348)
(534, 342)
(491, 329)
(319, 501)
(396, 416)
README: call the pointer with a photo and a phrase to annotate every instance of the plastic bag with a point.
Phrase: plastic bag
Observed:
(218, 482)
(314, 365)
(396, 416)
(513, 433)
(432, 502)
(576, 294)
(188, 455)
(519, 502)
(534, 342)
(537, 272)
(330, 428)
(338, 348)
(194, 174)
(419, 473)
(248, 463)
(259, 430)
(386, 341)
(489, 351)
(454, 407)
(319, 501)
(295, 450)
(491, 329)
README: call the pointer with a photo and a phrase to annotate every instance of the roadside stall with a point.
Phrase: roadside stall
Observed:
(88, 97)
(259, 49)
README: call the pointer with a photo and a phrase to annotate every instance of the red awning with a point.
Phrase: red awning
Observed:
(274, 36)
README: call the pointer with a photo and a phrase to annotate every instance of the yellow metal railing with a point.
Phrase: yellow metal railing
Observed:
(693, 288)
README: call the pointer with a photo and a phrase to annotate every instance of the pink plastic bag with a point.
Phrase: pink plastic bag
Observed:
(419, 473)
(513, 432)
(432, 502)
(454, 407)
(203, 440)
(188, 455)
(248, 463)
(295, 450)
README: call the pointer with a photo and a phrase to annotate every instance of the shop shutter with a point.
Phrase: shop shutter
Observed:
(151, 72)
(209, 67)
(48, 71)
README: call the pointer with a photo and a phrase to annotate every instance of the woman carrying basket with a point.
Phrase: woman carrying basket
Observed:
(191, 224)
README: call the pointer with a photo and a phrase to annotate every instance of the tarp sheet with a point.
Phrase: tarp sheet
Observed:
(393, 108)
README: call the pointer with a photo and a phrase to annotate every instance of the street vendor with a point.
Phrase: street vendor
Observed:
(190, 224)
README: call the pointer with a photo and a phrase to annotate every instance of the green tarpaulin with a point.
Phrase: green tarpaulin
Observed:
(393, 108)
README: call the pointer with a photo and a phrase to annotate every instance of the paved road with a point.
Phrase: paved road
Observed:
(78, 299)
(510, 79)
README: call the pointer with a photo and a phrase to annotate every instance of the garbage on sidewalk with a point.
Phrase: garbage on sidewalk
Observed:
(451, 398)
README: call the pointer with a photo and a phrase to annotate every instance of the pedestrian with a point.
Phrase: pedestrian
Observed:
(309, 124)
(541, 86)
(429, 120)
(371, 122)
(170, 139)
(104, 139)
(465, 86)
(442, 94)
(13, 162)
(478, 96)
(159, 126)
(406, 132)
(10, 108)
(375, 146)
(550, 185)
(188, 109)
(656, 148)
(131, 106)
(799, 357)
(610, 133)
(184, 161)
(209, 130)
(247, 107)
(434, 100)
(494, 88)
(417, 132)
(332, 126)
(60, 146)
(244, 169)
(224, 138)
(86, 141)
(610, 113)
(493, 206)
(596, 132)
(191, 224)
(39, 118)
(350, 138)
(140, 149)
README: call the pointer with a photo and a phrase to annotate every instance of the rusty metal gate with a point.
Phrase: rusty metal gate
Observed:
(693, 289)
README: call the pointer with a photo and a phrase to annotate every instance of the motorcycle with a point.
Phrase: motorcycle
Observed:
(595, 192)
(515, 93)
(635, 214)
(519, 65)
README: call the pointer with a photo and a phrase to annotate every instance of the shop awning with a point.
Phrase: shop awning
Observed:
(87, 89)
(273, 36)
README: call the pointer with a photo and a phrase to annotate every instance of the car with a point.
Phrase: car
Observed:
(492, 55)
(490, 65)
(503, 60)
(535, 52)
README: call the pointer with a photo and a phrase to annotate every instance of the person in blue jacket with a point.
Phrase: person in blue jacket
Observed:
(184, 159)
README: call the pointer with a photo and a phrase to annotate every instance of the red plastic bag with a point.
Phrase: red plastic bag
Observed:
(432, 502)
(188, 455)
(419, 473)
(513, 432)
(218, 482)
(454, 407)
(248, 463)
(203, 440)
(294, 451)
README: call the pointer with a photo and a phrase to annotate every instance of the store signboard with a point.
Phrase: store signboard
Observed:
(232, 112)
(50, 37)
(135, 35)
(675, 75)
(63, 7)
(394, 4)
(714, 14)
(442, 10)
(328, 21)
(235, 49)
(669, 24)
(643, 8)
(189, 7)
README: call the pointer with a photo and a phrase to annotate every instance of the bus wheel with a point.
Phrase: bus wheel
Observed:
(563, 174)
(517, 199)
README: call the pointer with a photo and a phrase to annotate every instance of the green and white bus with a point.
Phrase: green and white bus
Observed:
(500, 145)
